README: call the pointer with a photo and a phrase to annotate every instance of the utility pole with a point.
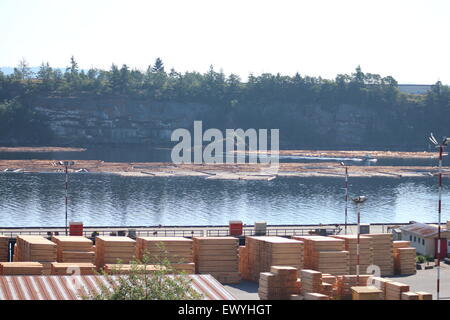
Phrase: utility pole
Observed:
(66, 165)
(441, 146)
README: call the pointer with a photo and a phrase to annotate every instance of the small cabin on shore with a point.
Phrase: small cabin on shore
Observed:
(423, 237)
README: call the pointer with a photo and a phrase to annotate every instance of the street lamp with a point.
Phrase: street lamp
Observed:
(346, 194)
(445, 142)
(66, 165)
(358, 201)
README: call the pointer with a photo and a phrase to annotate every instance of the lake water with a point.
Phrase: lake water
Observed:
(37, 199)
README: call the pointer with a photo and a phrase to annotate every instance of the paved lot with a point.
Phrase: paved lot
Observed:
(423, 280)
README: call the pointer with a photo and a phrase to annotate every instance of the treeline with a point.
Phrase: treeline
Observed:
(261, 101)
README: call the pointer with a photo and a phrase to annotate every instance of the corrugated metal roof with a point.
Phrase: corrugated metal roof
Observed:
(420, 229)
(75, 287)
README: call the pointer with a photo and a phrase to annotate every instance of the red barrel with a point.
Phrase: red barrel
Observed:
(76, 228)
(235, 228)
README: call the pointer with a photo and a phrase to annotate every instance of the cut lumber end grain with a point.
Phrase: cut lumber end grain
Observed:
(424, 295)
(410, 296)
(315, 296)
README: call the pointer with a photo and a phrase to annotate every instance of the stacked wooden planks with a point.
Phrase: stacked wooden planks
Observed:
(178, 251)
(404, 258)
(64, 268)
(366, 293)
(394, 290)
(74, 249)
(217, 256)
(4, 247)
(409, 296)
(265, 251)
(278, 284)
(316, 296)
(243, 262)
(112, 249)
(36, 249)
(380, 283)
(424, 295)
(325, 254)
(127, 268)
(21, 268)
(365, 252)
(382, 251)
(346, 282)
(311, 281)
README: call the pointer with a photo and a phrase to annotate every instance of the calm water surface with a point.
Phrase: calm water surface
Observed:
(37, 199)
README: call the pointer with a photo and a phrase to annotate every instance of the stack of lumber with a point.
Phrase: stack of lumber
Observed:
(112, 249)
(243, 262)
(176, 250)
(279, 284)
(127, 268)
(21, 268)
(325, 254)
(346, 282)
(409, 296)
(62, 268)
(404, 258)
(365, 251)
(382, 251)
(74, 249)
(36, 249)
(380, 283)
(424, 295)
(217, 256)
(4, 248)
(265, 251)
(316, 296)
(394, 290)
(311, 280)
(366, 293)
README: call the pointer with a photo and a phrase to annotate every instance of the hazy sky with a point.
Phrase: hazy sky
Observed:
(408, 39)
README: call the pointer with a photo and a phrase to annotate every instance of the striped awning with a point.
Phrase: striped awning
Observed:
(75, 287)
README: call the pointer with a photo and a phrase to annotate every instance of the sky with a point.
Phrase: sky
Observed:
(406, 39)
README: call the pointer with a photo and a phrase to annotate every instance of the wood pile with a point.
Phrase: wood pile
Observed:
(424, 295)
(4, 248)
(394, 290)
(36, 249)
(112, 249)
(279, 284)
(217, 256)
(365, 251)
(345, 283)
(176, 250)
(316, 296)
(63, 268)
(311, 280)
(404, 258)
(325, 254)
(366, 293)
(382, 251)
(409, 296)
(243, 262)
(74, 249)
(266, 251)
(380, 283)
(127, 268)
(21, 268)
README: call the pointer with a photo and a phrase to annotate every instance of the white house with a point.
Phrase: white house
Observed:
(423, 237)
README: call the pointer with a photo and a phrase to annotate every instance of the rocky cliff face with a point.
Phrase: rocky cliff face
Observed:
(115, 121)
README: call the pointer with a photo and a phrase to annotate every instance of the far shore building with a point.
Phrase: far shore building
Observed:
(423, 237)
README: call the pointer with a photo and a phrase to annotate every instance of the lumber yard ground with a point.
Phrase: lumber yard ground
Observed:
(423, 280)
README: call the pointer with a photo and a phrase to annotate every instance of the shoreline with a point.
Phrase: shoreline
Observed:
(244, 171)
(41, 149)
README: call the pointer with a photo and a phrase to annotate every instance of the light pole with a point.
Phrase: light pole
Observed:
(66, 165)
(358, 201)
(441, 146)
(346, 194)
